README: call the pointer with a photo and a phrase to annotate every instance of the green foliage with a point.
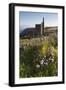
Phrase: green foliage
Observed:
(39, 60)
(53, 40)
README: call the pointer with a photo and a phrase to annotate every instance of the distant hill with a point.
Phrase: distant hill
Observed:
(27, 31)
(30, 31)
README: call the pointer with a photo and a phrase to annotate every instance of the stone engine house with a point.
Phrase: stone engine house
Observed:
(39, 30)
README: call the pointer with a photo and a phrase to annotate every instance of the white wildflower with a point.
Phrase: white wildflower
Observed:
(52, 54)
(42, 61)
(45, 56)
(45, 63)
(37, 66)
(53, 57)
(52, 60)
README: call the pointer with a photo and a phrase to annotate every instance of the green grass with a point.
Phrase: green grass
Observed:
(33, 51)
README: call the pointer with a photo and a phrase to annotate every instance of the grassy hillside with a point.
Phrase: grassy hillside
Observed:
(38, 57)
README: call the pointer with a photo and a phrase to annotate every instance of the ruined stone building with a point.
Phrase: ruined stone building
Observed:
(39, 30)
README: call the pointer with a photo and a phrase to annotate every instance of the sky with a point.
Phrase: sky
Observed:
(29, 19)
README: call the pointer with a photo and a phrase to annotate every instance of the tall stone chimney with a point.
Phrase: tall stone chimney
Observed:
(43, 27)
